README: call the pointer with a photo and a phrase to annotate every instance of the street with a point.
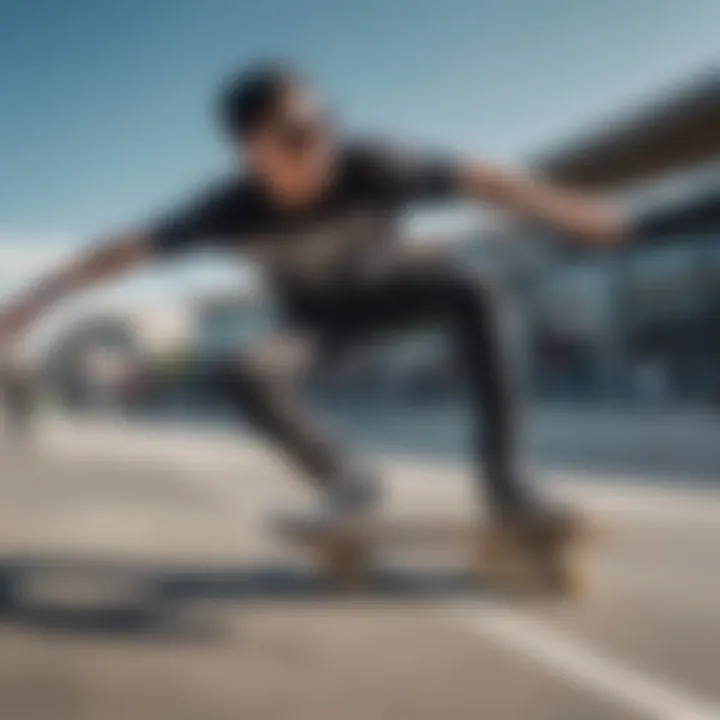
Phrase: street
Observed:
(138, 580)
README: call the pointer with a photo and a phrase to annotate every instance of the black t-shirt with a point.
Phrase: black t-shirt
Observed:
(343, 236)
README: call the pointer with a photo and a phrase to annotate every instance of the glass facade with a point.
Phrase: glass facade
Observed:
(632, 325)
(606, 327)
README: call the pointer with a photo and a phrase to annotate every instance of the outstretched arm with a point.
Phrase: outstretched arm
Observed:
(536, 199)
(189, 225)
(109, 259)
(412, 177)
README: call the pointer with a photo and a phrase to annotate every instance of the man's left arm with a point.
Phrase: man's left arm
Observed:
(408, 177)
(570, 212)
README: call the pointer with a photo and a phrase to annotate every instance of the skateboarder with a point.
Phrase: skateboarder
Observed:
(319, 214)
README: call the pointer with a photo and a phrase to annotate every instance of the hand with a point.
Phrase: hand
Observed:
(596, 224)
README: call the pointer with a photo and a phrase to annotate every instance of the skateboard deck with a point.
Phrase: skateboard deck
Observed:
(347, 553)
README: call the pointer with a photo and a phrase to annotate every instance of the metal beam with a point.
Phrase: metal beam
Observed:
(665, 136)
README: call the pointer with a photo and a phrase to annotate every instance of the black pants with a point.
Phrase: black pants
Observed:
(327, 324)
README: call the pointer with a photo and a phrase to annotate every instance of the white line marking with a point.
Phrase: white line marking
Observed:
(608, 678)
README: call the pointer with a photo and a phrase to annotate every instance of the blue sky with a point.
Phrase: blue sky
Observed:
(106, 104)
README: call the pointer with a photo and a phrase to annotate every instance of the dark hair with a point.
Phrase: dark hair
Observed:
(251, 98)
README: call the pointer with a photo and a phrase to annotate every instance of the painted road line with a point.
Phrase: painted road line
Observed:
(608, 678)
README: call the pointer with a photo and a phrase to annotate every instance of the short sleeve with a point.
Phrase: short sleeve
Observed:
(405, 176)
(198, 222)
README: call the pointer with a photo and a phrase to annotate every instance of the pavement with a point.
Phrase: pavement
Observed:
(138, 580)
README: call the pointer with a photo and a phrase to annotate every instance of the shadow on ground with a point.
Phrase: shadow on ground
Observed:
(180, 603)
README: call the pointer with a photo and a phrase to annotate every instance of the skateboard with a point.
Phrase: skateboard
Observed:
(520, 561)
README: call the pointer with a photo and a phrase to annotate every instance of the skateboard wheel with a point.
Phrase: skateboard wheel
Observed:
(346, 564)
(525, 566)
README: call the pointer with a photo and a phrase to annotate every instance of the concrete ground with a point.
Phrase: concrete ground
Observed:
(138, 580)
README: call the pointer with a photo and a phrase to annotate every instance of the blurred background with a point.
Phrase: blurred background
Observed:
(132, 129)
(107, 119)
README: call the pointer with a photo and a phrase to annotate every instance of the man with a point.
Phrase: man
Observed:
(319, 215)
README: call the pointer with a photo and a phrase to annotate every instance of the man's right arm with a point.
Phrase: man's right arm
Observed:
(211, 214)
(111, 258)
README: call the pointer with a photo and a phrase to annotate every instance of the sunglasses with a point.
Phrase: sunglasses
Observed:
(297, 136)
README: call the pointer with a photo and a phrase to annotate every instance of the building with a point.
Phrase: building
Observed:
(651, 309)
(225, 322)
(637, 323)
(110, 357)
(87, 365)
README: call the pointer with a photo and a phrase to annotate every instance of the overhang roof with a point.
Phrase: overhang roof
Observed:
(665, 136)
